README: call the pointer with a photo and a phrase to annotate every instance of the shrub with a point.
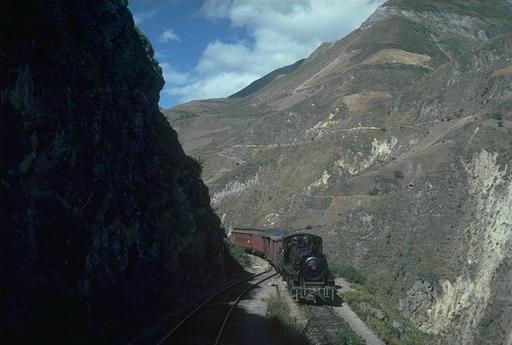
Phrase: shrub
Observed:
(349, 337)
(392, 328)
(284, 326)
(191, 166)
(374, 191)
(200, 161)
(348, 272)
(398, 174)
(238, 254)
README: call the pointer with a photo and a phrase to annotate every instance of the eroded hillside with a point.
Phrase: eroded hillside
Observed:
(395, 144)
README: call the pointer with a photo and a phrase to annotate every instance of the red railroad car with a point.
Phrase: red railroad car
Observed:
(264, 243)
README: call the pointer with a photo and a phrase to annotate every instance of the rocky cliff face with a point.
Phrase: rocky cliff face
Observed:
(105, 221)
(394, 143)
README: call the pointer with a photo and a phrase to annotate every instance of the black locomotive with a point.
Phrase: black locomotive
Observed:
(297, 256)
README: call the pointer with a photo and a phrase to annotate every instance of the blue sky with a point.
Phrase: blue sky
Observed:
(213, 48)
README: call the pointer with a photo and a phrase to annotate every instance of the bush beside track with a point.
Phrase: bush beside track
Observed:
(383, 319)
(238, 254)
(284, 325)
(348, 272)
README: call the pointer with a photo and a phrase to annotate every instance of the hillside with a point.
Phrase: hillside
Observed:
(395, 144)
(105, 222)
(266, 79)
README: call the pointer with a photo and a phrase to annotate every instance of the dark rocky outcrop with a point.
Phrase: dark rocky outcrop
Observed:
(105, 221)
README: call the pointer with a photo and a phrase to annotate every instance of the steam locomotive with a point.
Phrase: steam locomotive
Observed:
(298, 257)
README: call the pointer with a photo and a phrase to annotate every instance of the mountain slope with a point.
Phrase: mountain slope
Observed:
(266, 79)
(395, 144)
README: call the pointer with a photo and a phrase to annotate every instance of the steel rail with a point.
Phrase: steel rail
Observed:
(320, 321)
(228, 314)
(208, 300)
(336, 317)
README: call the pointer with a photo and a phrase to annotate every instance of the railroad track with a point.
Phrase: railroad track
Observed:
(205, 324)
(324, 326)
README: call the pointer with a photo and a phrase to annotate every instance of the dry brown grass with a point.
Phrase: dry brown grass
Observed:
(398, 56)
(503, 71)
(359, 101)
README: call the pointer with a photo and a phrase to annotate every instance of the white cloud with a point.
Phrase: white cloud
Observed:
(139, 17)
(281, 32)
(216, 9)
(172, 76)
(168, 35)
(217, 85)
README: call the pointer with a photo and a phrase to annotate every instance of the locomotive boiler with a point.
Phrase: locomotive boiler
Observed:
(298, 257)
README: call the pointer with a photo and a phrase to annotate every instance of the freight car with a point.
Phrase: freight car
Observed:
(298, 257)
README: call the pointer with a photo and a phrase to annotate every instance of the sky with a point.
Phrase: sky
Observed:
(213, 48)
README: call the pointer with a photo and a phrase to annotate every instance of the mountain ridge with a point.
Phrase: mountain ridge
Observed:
(266, 79)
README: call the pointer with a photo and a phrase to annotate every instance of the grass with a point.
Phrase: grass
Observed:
(384, 185)
(284, 326)
(349, 337)
(390, 326)
(289, 332)
(348, 272)
(238, 254)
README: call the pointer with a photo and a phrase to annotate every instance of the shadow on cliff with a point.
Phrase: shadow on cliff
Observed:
(106, 224)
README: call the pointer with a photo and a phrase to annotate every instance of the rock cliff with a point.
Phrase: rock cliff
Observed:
(105, 221)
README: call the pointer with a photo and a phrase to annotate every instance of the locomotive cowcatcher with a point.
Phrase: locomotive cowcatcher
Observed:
(298, 257)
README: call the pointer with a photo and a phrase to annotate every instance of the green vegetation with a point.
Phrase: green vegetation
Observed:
(387, 322)
(289, 331)
(412, 38)
(349, 337)
(238, 254)
(346, 271)
(183, 114)
(191, 166)
(490, 329)
(284, 326)
(495, 116)
(194, 165)
(384, 185)
(398, 174)
(201, 161)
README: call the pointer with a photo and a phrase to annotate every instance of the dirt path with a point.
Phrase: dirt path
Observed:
(248, 324)
(351, 318)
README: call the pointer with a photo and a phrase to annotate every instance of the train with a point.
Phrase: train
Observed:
(298, 257)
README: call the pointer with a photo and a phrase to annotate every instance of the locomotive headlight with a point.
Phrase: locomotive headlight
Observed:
(313, 265)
